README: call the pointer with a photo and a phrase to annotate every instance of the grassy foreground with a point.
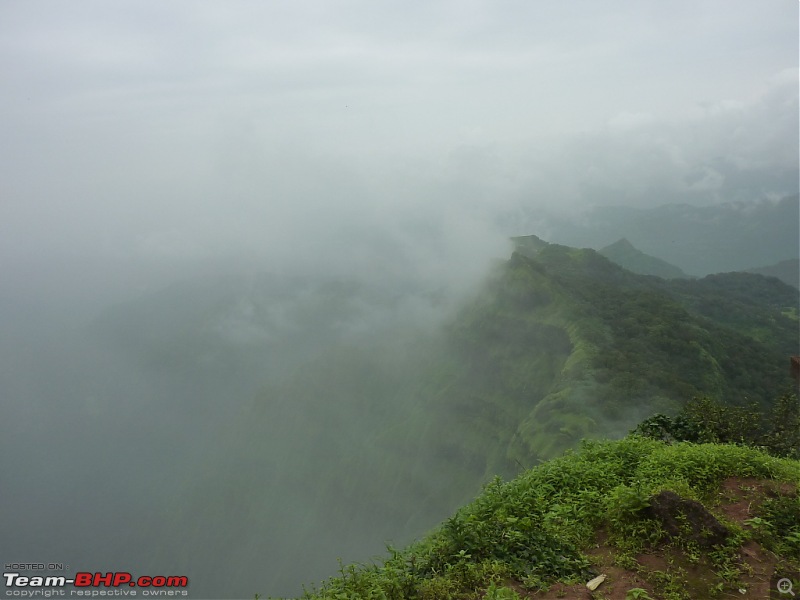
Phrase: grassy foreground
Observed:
(602, 510)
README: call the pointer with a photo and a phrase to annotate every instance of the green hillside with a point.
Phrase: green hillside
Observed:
(563, 344)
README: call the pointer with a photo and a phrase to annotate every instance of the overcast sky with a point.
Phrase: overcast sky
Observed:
(151, 128)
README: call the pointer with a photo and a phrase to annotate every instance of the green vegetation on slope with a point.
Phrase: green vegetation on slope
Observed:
(563, 344)
(524, 535)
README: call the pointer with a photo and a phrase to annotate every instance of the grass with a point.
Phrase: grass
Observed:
(533, 530)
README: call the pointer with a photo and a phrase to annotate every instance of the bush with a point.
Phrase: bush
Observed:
(704, 420)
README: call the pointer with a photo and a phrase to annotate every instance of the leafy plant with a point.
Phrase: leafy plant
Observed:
(500, 593)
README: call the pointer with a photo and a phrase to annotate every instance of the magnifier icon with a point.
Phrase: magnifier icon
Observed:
(784, 586)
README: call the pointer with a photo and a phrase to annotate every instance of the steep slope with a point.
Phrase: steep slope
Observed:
(623, 253)
(371, 426)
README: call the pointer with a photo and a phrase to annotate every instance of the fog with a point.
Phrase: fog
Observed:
(214, 214)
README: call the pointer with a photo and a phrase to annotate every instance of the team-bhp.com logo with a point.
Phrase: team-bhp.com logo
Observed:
(89, 584)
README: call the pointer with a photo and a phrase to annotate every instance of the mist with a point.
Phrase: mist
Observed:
(232, 236)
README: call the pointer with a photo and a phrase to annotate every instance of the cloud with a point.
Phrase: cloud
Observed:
(627, 121)
(727, 151)
(245, 126)
(169, 244)
(706, 180)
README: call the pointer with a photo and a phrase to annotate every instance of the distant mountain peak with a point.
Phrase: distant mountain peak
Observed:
(622, 243)
(627, 256)
(529, 245)
(717, 238)
(787, 271)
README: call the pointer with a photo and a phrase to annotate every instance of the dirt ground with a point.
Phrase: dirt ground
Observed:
(738, 500)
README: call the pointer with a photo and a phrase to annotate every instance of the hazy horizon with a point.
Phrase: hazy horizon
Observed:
(243, 128)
